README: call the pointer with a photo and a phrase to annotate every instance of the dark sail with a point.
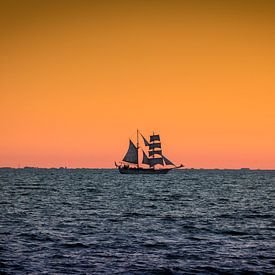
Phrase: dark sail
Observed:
(146, 143)
(154, 145)
(167, 161)
(145, 159)
(155, 161)
(154, 138)
(152, 153)
(132, 154)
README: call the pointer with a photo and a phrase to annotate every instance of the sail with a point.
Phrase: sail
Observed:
(154, 145)
(154, 138)
(146, 143)
(145, 160)
(151, 153)
(155, 161)
(132, 154)
(167, 161)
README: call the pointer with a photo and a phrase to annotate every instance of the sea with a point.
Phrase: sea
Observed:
(97, 221)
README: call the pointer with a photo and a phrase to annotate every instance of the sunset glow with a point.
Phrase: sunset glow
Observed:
(78, 78)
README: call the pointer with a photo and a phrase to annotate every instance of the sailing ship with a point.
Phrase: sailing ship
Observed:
(152, 159)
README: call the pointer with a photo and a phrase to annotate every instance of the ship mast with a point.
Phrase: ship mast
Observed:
(153, 151)
(137, 149)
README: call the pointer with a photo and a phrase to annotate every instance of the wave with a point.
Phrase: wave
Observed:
(75, 245)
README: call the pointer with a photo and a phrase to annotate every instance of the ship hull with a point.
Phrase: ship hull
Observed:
(149, 171)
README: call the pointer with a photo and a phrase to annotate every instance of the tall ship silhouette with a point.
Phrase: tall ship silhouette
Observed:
(152, 158)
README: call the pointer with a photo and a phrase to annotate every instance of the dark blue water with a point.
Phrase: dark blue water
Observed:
(98, 221)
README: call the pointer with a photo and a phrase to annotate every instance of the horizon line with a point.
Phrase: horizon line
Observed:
(114, 168)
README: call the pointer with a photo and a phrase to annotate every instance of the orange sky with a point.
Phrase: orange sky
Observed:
(78, 77)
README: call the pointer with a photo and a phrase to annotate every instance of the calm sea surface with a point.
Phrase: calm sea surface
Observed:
(93, 221)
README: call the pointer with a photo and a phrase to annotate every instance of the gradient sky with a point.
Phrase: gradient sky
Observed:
(78, 77)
